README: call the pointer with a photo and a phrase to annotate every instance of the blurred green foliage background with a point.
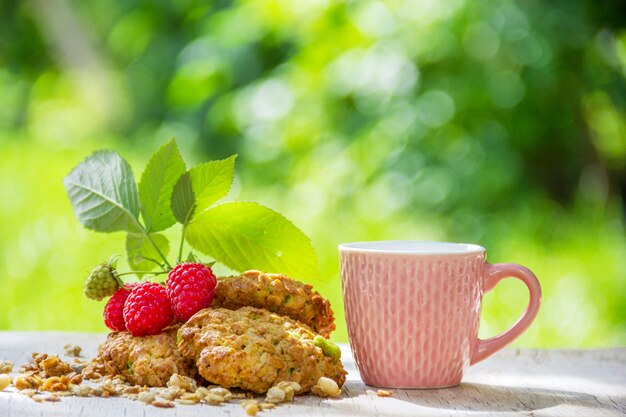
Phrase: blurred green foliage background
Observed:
(497, 122)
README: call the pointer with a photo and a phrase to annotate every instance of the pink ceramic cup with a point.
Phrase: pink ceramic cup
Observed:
(413, 309)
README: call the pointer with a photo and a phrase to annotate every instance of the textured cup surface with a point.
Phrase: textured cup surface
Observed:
(412, 316)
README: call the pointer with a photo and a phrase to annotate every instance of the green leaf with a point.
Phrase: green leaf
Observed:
(192, 258)
(140, 250)
(211, 181)
(246, 236)
(156, 186)
(183, 200)
(103, 193)
(201, 187)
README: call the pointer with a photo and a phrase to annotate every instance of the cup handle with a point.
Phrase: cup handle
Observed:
(493, 274)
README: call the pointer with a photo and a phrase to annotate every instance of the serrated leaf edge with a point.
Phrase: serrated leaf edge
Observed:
(232, 265)
(67, 181)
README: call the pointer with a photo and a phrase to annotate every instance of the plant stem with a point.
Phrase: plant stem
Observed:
(145, 232)
(147, 235)
(154, 261)
(142, 272)
(182, 241)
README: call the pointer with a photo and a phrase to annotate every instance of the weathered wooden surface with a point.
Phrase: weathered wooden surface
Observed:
(527, 382)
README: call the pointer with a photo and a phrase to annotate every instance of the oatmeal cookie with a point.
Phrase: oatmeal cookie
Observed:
(278, 294)
(254, 349)
(148, 360)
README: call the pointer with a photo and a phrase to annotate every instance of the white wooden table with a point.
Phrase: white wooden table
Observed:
(511, 383)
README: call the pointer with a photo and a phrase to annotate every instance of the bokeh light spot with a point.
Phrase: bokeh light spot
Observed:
(505, 89)
(435, 108)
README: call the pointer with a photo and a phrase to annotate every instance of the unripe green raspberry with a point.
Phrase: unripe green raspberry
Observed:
(102, 282)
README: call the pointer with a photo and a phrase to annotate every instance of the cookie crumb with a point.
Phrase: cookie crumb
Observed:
(182, 382)
(384, 393)
(252, 409)
(72, 350)
(52, 398)
(5, 381)
(326, 387)
(6, 367)
(28, 392)
(146, 397)
(162, 403)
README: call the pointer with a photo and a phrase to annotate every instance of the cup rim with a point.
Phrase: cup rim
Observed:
(412, 247)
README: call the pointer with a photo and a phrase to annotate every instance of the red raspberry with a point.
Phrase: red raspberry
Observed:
(147, 309)
(190, 287)
(114, 310)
